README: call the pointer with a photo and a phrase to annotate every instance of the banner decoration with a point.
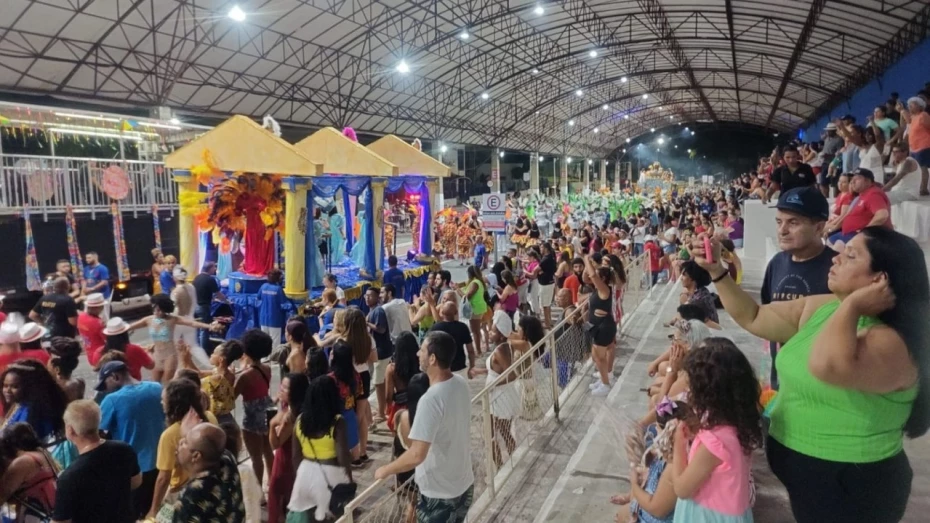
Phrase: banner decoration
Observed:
(74, 251)
(33, 278)
(119, 243)
(115, 182)
(155, 227)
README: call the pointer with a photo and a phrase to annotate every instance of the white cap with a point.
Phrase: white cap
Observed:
(9, 333)
(179, 273)
(95, 300)
(116, 326)
(31, 332)
(502, 322)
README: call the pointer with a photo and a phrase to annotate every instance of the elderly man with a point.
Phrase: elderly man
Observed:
(870, 208)
(97, 487)
(214, 490)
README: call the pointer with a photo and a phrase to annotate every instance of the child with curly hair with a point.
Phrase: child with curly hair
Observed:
(712, 480)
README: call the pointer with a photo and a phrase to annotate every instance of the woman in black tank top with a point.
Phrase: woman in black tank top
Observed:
(601, 324)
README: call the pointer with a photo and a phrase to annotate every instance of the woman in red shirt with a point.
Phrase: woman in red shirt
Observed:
(117, 339)
(90, 325)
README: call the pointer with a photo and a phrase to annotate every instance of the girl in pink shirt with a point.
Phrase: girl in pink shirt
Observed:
(712, 480)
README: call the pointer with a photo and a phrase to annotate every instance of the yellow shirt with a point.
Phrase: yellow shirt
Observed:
(221, 393)
(316, 448)
(167, 453)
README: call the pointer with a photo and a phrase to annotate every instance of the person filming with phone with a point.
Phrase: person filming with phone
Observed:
(854, 372)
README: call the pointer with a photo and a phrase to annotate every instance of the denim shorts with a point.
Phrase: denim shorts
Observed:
(922, 156)
(454, 510)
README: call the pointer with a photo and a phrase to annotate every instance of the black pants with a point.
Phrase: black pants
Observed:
(202, 314)
(824, 491)
(142, 496)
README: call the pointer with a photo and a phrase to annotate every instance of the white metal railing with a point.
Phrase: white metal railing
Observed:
(546, 376)
(48, 185)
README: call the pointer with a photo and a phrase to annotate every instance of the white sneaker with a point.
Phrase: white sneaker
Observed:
(594, 385)
(600, 390)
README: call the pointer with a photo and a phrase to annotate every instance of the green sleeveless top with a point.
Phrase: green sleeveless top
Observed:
(478, 305)
(828, 422)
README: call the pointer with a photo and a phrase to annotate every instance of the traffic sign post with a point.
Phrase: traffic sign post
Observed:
(494, 216)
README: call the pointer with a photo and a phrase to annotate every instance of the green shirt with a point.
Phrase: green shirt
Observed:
(828, 422)
(478, 306)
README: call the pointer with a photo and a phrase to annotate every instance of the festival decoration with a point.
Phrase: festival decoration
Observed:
(4, 120)
(207, 172)
(272, 125)
(417, 144)
(40, 179)
(74, 251)
(156, 228)
(33, 278)
(119, 243)
(115, 182)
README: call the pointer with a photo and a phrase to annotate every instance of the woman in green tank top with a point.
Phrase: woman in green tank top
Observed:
(474, 293)
(854, 376)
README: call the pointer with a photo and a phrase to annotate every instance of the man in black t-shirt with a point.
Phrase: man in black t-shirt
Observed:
(802, 267)
(57, 311)
(206, 288)
(97, 487)
(791, 175)
(546, 282)
(448, 312)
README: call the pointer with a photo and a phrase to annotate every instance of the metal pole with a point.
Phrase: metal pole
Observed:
(554, 374)
(489, 443)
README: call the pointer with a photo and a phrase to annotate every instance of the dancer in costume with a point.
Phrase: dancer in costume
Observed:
(337, 231)
(316, 274)
(463, 241)
(388, 233)
(415, 228)
(448, 236)
(358, 250)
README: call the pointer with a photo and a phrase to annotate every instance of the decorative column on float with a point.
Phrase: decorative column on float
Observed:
(377, 203)
(188, 234)
(534, 173)
(496, 171)
(434, 187)
(586, 171)
(563, 176)
(603, 184)
(295, 223)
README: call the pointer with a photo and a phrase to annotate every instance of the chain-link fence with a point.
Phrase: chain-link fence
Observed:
(523, 402)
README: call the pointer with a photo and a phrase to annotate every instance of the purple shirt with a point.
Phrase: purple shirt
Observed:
(737, 233)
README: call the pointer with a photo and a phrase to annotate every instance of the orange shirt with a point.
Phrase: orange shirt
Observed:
(571, 283)
(918, 132)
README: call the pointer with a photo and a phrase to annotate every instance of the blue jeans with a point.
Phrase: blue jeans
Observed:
(638, 249)
(202, 314)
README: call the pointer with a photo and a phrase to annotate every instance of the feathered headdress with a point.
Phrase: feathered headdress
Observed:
(269, 123)
(417, 144)
(349, 133)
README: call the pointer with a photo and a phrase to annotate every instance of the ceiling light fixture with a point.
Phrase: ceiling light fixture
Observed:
(596, 130)
(579, 93)
(692, 133)
(626, 117)
(402, 67)
(590, 162)
(645, 96)
(661, 140)
(606, 107)
(627, 140)
(539, 10)
(485, 96)
(237, 14)
(535, 71)
(592, 53)
(443, 148)
(571, 123)
(464, 34)
(568, 160)
(501, 154)
(175, 121)
(623, 80)
(652, 129)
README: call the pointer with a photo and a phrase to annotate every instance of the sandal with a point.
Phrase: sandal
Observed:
(621, 499)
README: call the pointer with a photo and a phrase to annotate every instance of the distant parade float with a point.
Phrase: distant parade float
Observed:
(655, 180)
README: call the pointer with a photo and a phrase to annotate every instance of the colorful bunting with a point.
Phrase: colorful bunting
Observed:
(119, 244)
(74, 251)
(155, 227)
(33, 278)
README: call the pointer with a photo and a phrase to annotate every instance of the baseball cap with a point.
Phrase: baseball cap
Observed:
(806, 201)
(865, 173)
(109, 369)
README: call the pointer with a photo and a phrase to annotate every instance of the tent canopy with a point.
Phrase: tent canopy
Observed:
(340, 155)
(241, 145)
(408, 159)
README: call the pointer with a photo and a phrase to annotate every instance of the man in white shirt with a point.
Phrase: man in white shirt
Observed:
(440, 448)
(395, 308)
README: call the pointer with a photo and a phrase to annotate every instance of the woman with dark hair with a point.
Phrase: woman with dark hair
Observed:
(509, 295)
(603, 328)
(292, 356)
(403, 366)
(254, 384)
(403, 420)
(563, 270)
(63, 360)
(30, 474)
(31, 394)
(317, 363)
(320, 448)
(217, 384)
(854, 377)
(178, 398)
(291, 396)
(363, 355)
(161, 326)
(342, 371)
(528, 334)
(694, 280)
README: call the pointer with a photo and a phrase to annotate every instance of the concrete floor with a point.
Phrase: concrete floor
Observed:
(570, 474)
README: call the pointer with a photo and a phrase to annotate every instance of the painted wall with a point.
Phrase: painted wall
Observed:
(905, 77)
